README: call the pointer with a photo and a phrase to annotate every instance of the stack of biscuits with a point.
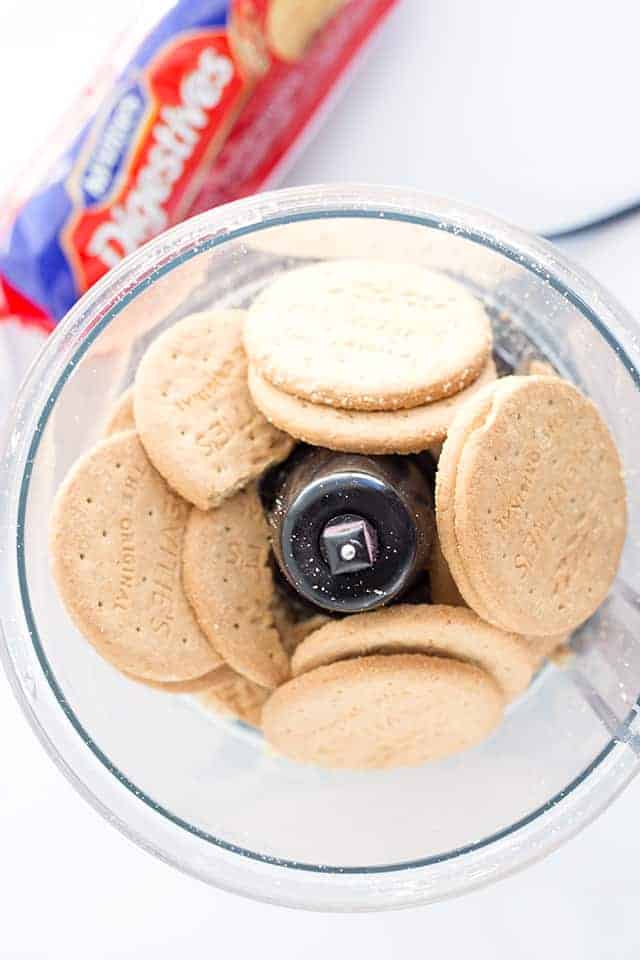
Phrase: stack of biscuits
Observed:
(366, 357)
(161, 551)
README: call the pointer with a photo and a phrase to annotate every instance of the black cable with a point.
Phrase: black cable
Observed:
(605, 221)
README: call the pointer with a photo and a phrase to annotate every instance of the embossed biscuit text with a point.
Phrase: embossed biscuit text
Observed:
(127, 538)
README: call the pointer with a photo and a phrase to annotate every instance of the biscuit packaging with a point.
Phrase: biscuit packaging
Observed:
(209, 106)
(338, 516)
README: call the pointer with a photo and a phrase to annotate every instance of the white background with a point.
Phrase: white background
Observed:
(527, 108)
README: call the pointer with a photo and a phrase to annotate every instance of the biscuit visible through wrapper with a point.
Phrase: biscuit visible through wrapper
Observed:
(357, 431)
(382, 711)
(367, 335)
(292, 24)
(194, 413)
(531, 505)
(423, 628)
(228, 581)
(117, 535)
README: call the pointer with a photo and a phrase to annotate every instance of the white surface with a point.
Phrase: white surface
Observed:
(523, 108)
(70, 886)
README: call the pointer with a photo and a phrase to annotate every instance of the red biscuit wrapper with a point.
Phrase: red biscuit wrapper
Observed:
(209, 108)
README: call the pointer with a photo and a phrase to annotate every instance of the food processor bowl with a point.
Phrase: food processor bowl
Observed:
(204, 792)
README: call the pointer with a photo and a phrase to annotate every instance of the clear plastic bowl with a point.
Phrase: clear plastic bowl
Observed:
(203, 793)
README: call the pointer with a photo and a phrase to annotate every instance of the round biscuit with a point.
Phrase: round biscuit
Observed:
(541, 368)
(292, 631)
(231, 694)
(228, 580)
(302, 629)
(194, 413)
(382, 711)
(473, 414)
(359, 431)
(444, 589)
(179, 686)
(367, 335)
(454, 632)
(121, 417)
(539, 507)
(116, 542)
(543, 648)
